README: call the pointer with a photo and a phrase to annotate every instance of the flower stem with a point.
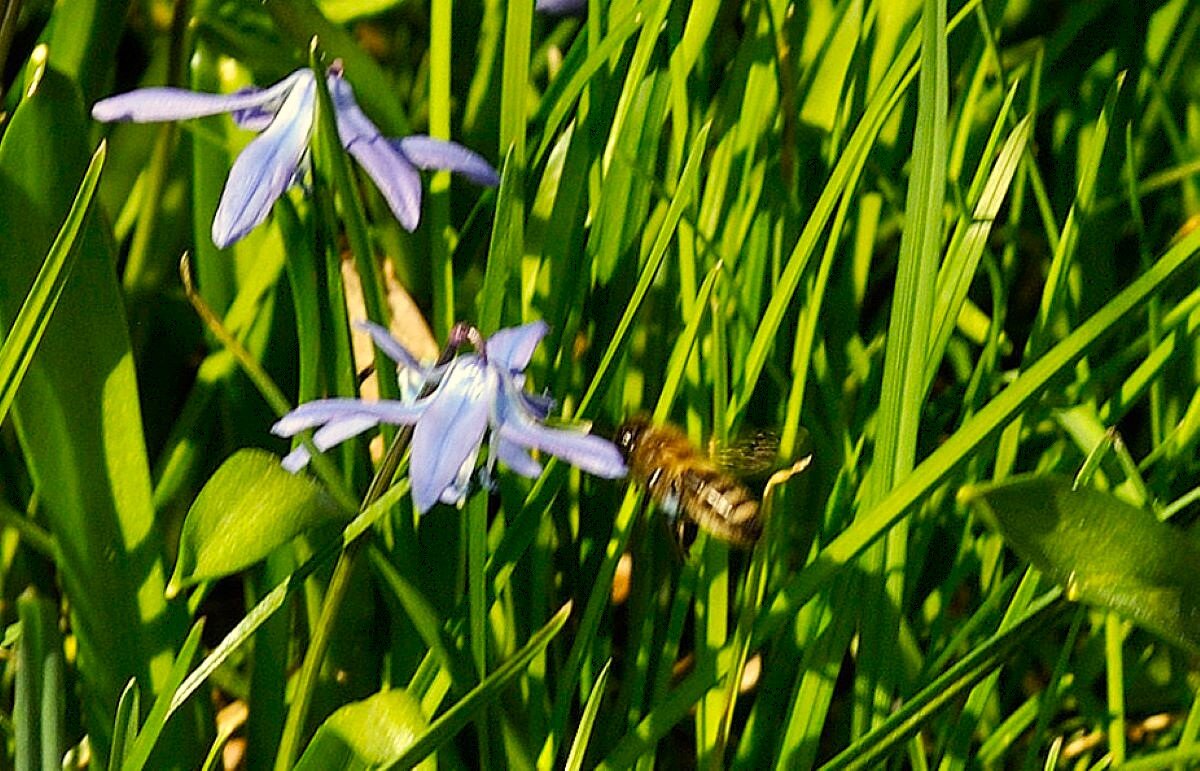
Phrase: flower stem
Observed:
(335, 593)
(322, 633)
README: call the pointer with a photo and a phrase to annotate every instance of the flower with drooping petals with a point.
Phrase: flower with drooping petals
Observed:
(472, 394)
(274, 161)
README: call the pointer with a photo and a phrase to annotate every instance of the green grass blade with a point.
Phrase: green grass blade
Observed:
(26, 332)
(996, 414)
(941, 693)
(902, 393)
(583, 733)
(125, 727)
(151, 730)
(92, 478)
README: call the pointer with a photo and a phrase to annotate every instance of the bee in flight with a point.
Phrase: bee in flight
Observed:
(682, 480)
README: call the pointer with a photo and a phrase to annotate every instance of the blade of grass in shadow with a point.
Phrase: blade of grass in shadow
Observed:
(978, 429)
(152, 728)
(873, 748)
(452, 720)
(665, 715)
(39, 693)
(684, 192)
(1050, 310)
(556, 103)
(26, 332)
(425, 620)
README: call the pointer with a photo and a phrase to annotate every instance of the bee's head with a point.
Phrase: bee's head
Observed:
(629, 433)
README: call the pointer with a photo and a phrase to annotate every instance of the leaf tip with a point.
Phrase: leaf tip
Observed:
(967, 494)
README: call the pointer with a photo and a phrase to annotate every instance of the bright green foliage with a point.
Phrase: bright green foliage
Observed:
(371, 733)
(949, 249)
(247, 509)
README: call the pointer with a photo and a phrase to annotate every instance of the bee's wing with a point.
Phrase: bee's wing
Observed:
(756, 454)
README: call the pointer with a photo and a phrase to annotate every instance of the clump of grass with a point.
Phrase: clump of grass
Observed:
(947, 251)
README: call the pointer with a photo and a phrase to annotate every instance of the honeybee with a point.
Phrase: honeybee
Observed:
(682, 480)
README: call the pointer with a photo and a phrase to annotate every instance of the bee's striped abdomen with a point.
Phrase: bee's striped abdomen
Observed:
(681, 480)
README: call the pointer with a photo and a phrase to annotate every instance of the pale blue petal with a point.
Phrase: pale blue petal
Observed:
(516, 458)
(148, 105)
(451, 430)
(266, 167)
(439, 154)
(296, 459)
(396, 178)
(456, 492)
(512, 422)
(338, 431)
(592, 454)
(333, 433)
(254, 118)
(512, 348)
(539, 404)
(322, 411)
(384, 341)
(560, 7)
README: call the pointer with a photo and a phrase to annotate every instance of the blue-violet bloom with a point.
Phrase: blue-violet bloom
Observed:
(464, 398)
(275, 160)
(561, 7)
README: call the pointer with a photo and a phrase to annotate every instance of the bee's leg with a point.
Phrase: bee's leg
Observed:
(778, 478)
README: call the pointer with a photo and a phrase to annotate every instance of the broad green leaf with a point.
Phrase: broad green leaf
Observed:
(249, 507)
(1102, 550)
(371, 733)
(78, 417)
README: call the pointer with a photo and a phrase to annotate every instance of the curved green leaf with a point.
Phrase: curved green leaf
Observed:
(371, 733)
(1102, 550)
(247, 509)
(78, 416)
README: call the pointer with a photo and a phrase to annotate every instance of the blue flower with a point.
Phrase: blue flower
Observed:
(472, 394)
(274, 161)
(561, 7)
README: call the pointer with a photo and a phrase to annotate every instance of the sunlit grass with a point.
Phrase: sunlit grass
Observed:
(945, 250)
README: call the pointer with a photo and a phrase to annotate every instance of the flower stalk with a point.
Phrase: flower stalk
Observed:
(335, 595)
